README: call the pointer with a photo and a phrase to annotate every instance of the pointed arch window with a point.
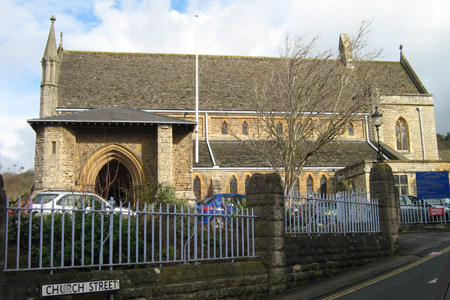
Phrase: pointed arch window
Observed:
(245, 128)
(295, 191)
(323, 185)
(197, 188)
(233, 185)
(351, 129)
(247, 182)
(279, 128)
(310, 185)
(299, 128)
(402, 134)
(224, 128)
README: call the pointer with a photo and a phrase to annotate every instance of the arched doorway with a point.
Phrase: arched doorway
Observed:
(111, 171)
(113, 180)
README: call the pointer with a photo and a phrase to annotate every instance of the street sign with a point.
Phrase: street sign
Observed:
(79, 287)
(432, 185)
(436, 211)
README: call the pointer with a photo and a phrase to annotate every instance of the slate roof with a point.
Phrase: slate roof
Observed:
(167, 81)
(111, 114)
(236, 154)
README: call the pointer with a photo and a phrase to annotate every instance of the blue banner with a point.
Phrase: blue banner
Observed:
(432, 185)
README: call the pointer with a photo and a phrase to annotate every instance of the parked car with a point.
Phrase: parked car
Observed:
(327, 213)
(416, 210)
(312, 212)
(215, 207)
(69, 200)
(440, 202)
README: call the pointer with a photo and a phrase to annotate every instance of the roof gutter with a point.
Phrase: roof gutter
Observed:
(180, 111)
(263, 168)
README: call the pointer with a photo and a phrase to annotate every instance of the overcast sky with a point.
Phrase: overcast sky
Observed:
(225, 27)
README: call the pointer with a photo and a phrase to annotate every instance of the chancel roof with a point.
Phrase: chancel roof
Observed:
(167, 81)
(237, 154)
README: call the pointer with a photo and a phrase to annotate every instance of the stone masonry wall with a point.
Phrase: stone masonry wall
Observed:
(182, 162)
(54, 163)
(229, 280)
(224, 176)
(140, 141)
(165, 155)
(235, 122)
(394, 107)
(316, 256)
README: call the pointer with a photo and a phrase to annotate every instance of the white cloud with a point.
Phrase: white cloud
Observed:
(16, 144)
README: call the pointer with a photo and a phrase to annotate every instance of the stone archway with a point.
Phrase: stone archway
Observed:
(110, 170)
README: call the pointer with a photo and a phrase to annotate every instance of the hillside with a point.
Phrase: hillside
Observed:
(18, 184)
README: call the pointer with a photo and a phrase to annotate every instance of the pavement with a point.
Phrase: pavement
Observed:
(413, 246)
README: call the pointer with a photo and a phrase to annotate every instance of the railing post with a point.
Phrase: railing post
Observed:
(2, 233)
(265, 196)
(111, 232)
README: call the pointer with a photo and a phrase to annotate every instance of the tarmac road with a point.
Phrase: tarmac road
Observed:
(414, 247)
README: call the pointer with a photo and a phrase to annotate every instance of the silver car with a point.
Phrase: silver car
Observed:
(59, 201)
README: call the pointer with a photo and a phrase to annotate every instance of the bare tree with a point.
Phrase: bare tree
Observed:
(309, 101)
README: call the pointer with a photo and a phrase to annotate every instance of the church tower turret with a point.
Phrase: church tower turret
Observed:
(50, 71)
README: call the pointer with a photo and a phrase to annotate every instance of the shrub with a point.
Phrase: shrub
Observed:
(87, 232)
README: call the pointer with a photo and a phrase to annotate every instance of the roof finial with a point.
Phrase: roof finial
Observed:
(401, 48)
(53, 19)
(60, 38)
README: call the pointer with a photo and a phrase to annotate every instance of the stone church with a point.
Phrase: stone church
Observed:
(110, 121)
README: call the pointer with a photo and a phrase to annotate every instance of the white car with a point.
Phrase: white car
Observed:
(68, 200)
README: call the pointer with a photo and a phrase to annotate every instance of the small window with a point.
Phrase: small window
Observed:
(351, 130)
(247, 182)
(295, 191)
(310, 186)
(279, 128)
(233, 185)
(224, 128)
(401, 182)
(244, 128)
(53, 147)
(299, 128)
(323, 185)
(197, 188)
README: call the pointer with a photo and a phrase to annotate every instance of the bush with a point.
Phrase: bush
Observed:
(83, 230)
(152, 193)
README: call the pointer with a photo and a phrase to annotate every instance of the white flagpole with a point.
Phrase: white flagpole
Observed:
(196, 88)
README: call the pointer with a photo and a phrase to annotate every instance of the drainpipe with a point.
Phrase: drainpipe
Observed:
(419, 108)
(368, 139)
(196, 89)
(207, 142)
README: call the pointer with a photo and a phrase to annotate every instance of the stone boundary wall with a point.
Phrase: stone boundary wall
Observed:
(244, 280)
(284, 261)
(316, 256)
